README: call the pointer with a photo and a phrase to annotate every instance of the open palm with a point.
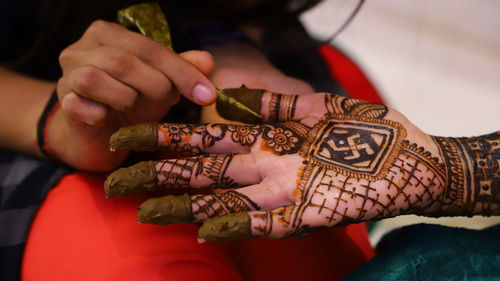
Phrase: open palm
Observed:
(318, 161)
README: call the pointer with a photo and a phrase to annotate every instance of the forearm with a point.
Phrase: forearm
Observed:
(472, 175)
(23, 99)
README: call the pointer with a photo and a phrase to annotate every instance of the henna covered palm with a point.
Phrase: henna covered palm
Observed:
(324, 161)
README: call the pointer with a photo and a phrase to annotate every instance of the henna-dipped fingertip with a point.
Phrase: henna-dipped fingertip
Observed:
(140, 137)
(240, 104)
(138, 177)
(166, 210)
(229, 227)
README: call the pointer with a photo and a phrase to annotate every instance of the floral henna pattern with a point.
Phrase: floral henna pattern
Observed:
(355, 165)
(281, 140)
(175, 132)
(245, 135)
(210, 133)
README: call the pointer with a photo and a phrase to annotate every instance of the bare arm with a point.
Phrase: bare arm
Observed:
(22, 101)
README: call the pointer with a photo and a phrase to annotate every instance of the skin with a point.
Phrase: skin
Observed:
(112, 77)
(329, 161)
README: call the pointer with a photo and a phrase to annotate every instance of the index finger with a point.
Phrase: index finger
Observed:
(192, 139)
(186, 78)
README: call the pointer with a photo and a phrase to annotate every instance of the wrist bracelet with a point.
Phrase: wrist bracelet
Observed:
(42, 126)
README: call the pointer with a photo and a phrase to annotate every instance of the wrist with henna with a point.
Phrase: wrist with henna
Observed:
(472, 175)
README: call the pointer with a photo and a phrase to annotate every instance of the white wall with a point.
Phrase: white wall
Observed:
(438, 62)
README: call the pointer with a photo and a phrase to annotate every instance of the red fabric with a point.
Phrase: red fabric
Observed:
(80, 235)
(349, 75)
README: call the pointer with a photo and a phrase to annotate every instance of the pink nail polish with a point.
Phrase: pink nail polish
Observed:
(203, 93)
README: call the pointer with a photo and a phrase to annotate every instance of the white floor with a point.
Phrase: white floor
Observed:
(438, 62)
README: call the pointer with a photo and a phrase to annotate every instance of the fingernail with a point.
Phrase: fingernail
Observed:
(230, 227)
(203, 93)
(138, 177)
(166, 210)
(141, 137)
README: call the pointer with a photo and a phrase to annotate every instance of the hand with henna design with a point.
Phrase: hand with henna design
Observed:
(326, 161)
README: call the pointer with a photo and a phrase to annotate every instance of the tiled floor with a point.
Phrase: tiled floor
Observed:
(438, 62)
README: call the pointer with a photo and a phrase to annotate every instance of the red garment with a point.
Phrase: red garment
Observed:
(80, 235)
(349, 75)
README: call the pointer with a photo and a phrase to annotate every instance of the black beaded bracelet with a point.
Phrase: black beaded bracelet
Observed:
(41, 130)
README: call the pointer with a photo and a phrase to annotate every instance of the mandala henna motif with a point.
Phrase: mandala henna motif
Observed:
(281, 140)
(175, 132)
(245, 135)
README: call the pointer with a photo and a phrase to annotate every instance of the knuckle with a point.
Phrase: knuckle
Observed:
(64, 56)
(85, 79)
(151, 50)
(164, 93)
(98, 26)
(127, 103)
(120, 62)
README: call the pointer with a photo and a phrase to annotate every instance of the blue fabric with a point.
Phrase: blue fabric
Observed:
(434, 252)
(24, 183)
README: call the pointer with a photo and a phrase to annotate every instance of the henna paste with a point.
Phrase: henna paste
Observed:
(141, 137)
(166, 210)
(230, 227)
(251, 98)
(141, 176)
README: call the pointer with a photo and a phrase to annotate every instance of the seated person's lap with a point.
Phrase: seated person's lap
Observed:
(80, 235)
